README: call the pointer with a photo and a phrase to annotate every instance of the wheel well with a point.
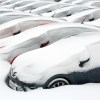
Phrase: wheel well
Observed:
(54, 77)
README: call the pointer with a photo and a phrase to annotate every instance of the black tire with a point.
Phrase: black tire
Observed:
(56, 81)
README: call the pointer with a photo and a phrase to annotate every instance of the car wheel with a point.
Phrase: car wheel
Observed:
(56, 81)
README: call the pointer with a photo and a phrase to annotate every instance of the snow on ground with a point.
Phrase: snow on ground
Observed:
(71, 92)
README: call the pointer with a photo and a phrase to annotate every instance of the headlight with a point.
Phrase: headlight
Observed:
(15, 84)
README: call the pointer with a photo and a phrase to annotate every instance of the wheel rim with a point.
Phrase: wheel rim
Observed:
(58, 82)
(19, 88)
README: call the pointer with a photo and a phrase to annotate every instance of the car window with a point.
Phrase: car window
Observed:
(57, 34)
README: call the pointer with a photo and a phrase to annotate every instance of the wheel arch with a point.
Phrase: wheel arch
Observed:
(64, 76)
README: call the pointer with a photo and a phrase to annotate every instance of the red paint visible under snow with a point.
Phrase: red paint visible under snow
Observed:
(44, 44)
(12, 60)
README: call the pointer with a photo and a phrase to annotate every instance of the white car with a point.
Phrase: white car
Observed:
(81, 1)
(15, 25)
(7, 2)
(33, 5)
(95, 3)
(39, 37)
(73, 60)
(49, 8)
(16, 13)
(68, 11)
(84, 16)
(4, 11)
(19, 4)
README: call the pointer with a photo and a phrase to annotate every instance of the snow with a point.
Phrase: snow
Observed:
(51, 32)
(33, 5)
(90, 91)
(70, 92)
(94, 23)
(39, 65)
(84, 16)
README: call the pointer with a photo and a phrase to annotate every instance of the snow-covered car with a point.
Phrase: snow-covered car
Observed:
(49, 8)
(11, 16)
(93, 3)
(15, 26)
(32, 6)
(5, 10)
(7, 2)
(16, 14)
(68, 11)
(73, 60)
(81, 1)
(39, 37)
(84, 16)
(19, 4)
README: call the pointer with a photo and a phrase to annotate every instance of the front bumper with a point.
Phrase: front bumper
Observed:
(17, 85)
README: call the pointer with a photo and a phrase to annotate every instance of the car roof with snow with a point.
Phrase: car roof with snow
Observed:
(11, 27)
(33, 5)
(49, 8)
(70, 10)
(19, 4)
(95, 3)
(81, 1)
(84, 16)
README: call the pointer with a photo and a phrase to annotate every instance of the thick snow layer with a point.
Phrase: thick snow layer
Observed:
(95, 3)
(84, 16)
(62, 56)
(33, 5)
(81, 1)
(71, 92)
(21, 24)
